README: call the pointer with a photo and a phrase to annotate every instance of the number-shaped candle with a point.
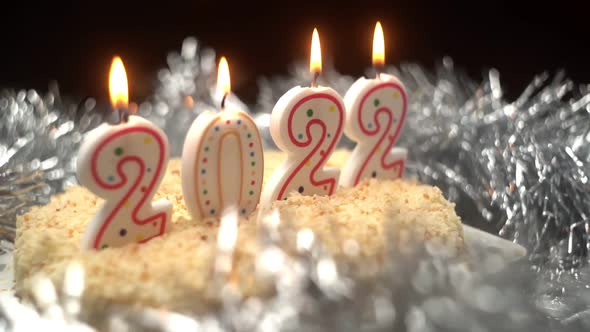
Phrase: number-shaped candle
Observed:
(124, 164)
(222, 161)
(307, 124)
(375, 113)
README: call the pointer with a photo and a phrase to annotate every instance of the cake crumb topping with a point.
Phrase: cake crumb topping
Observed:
(169, 270)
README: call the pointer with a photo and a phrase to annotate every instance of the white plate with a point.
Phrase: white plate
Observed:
(489, 252)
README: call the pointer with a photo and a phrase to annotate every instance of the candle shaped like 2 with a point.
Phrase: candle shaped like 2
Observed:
(307, 124)
(376, 111)
(222, 160)
(124, 164)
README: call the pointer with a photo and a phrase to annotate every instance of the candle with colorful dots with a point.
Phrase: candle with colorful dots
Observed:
(376, 111)
(124, 163)
(306, 123)
(222, 160)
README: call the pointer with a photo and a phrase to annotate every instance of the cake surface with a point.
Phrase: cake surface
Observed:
(172, 270)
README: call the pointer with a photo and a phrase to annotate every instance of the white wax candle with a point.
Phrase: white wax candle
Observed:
(375, 114)
(222, 164)
(307, 124)
(124, 164)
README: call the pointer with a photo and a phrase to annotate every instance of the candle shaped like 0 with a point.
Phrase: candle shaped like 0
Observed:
(222, 160)
(306, 123)
(124, 164)
(376, 111)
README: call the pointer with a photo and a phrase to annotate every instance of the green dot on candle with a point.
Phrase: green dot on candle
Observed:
(251, 192)
(253, 163)
(206, 148)
(376, 102)
(249, 135)
(310, 112)
(118, 151)
(205, 192)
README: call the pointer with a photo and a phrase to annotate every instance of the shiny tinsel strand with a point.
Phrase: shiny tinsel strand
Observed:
(40, 135)
(185, 89)
(420, 288)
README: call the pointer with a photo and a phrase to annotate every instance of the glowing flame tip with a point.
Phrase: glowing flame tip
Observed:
(315, 62)
(118, 88)
(378, 46)
(223, 79)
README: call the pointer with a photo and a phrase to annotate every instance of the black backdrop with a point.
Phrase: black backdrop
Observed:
(73, 42)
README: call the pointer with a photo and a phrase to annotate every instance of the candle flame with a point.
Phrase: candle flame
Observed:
(378, 46)
(118, 89)
(315, 62)
(223, 79)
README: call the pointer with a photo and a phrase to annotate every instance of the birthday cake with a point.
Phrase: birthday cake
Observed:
(165, 244)
(173, 270)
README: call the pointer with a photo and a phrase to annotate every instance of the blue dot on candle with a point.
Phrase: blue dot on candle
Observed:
(239, 121)
(212, 211)
(148, 169)
(252, 154)
(370, 125)
(110, 178)
(243, 211)
(216, 128)
(203, 171)
(329, 135)
(300, 136)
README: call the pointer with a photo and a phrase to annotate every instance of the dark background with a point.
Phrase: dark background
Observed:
(73, 42)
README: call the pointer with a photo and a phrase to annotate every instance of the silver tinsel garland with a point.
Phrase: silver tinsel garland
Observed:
(519, 169)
